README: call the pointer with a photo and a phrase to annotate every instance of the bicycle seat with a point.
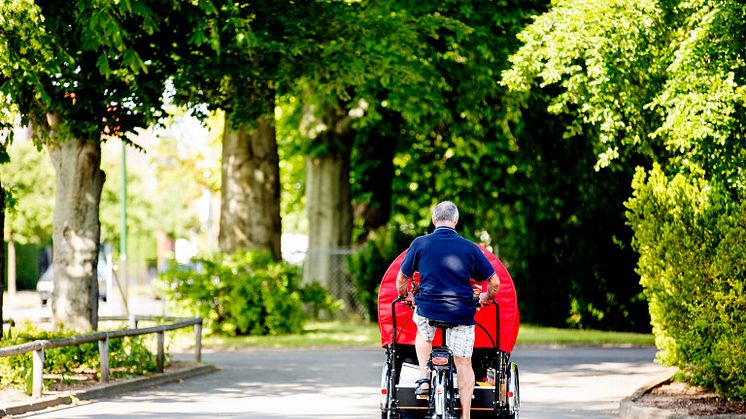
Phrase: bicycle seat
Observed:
(442, 324)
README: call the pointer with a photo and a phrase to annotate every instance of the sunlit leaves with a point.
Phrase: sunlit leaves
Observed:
(602, 54)
(645, 75)
(88, 62)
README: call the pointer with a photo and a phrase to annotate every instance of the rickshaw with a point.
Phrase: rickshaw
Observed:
(496, 391)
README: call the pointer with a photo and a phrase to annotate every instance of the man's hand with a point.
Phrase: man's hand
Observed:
(493, 286)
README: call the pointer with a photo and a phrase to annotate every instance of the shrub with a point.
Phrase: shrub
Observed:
(127, 356)
(319, 302)
(369, 263)
(691, 239)
(245, 293)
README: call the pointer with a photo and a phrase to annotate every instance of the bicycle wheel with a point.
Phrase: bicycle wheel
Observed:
(438, 388)
(514, 395)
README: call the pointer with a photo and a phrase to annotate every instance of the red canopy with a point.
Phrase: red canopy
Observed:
(485, 335)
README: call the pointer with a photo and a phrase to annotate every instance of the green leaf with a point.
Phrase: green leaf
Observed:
(103, 65)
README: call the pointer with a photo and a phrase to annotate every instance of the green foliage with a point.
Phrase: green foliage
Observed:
(245, 293)
(93, 64)
(691, 242)
(520, 186)
(318, 302)
(604, 57)
(127, 357)
(370, 262)
(30, 176)
(665, 80)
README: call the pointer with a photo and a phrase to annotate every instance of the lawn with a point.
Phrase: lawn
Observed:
(336, 333)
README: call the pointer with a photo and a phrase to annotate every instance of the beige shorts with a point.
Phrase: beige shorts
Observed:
(460, 339)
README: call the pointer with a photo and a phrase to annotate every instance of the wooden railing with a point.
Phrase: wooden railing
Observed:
(39, 346)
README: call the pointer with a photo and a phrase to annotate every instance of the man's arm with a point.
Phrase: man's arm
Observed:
(493, 286)
(402, 283)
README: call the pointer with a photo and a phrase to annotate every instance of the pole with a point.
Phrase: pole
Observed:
(124, 286)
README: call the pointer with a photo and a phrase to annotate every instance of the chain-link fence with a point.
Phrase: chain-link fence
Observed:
(330, 268)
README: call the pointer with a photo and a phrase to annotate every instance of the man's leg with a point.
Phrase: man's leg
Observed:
(465, 384)
(423, 349)
(461, 342)
(423, 345)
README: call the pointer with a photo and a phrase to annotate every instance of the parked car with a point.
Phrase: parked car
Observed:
(45, 285)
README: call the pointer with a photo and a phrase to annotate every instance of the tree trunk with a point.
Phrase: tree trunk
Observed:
(376, 148)
(2, 252)
(76, 232)
(250, 206)
(329, 208)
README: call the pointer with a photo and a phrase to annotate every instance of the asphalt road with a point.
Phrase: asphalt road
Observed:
(343, 384)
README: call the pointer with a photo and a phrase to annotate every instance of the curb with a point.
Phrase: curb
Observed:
(105, 390)
(629, 409)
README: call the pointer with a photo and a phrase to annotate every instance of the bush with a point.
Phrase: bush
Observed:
(691, 239)
(127, 357)
(369, 263)
(318, 302)
(245, 293)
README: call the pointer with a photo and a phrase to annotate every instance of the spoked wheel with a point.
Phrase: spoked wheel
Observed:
(513, 396)
(387, 411)
(441, 397)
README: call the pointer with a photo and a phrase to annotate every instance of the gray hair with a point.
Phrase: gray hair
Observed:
(445, 211)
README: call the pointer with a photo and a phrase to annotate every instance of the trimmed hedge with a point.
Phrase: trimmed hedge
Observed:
(691, 238)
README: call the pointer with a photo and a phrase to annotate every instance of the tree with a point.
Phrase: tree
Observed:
(520, 186)
(366, 53)
(228, 65)
(663, 79)
(328, 199)
(80, 73)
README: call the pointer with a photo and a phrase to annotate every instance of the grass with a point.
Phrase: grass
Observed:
(337, 333)
(315, 334)
(529, 334)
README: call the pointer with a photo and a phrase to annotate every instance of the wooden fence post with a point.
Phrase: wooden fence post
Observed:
(198, 342)
(159, 356)
(103, 351)
(38, 372)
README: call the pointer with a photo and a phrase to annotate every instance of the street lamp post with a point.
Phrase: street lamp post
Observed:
(123, 283)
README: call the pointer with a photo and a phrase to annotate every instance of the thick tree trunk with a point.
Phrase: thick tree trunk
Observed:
(2, 251)
(329, 208)
(76, 232)
(250, 207)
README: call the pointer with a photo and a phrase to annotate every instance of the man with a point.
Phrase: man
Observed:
(446, 262)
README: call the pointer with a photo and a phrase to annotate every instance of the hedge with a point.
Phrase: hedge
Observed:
(691, 238)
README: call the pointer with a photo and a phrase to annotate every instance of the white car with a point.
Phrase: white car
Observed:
(45, 285)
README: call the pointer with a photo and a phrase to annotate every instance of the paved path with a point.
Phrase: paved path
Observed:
(583, 382)
(336, 384)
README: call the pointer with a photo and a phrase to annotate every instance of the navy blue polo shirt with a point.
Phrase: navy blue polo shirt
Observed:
(447, 262)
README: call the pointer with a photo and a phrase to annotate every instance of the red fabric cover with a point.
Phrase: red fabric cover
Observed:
(506, 298)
